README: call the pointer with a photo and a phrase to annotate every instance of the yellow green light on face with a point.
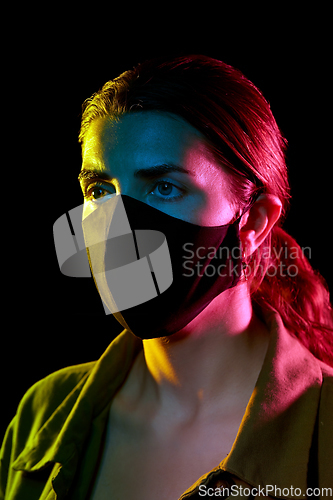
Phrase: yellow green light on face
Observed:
(161, 160)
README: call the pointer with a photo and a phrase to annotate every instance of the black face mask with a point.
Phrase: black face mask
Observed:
(155, 272)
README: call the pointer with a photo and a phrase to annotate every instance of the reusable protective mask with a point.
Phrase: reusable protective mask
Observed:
(155, 273)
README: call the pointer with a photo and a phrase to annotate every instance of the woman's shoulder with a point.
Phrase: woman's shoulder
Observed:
(59, 389)
(327, 388)
(325, 427)
(50, 392)
(327, 372)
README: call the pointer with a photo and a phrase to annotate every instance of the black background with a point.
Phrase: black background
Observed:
(55, 60)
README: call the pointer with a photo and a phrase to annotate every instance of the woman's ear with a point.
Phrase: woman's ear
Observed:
(256, 224)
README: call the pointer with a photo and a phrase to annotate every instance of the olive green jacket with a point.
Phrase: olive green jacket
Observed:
(284, 444)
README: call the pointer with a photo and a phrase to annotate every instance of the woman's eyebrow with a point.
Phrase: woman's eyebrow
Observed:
(92, 174)
(142, 173)
(158, 170)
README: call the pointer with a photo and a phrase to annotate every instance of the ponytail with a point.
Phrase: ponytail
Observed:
(284, 280)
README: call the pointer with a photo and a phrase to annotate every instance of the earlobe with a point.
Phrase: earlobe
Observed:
(259, 221)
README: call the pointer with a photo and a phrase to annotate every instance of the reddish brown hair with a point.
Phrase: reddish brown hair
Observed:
(240, 129)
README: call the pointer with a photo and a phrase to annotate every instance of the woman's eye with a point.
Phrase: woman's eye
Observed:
(166, 190)
(98, 192)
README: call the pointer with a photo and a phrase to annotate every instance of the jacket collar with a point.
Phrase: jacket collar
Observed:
(273, 443)
(73, 417)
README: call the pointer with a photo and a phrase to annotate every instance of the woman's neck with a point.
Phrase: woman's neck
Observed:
(214, 361)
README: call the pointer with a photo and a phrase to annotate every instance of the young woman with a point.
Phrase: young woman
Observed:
(221, 383)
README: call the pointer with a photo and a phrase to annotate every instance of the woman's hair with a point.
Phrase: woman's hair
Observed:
(240, 129)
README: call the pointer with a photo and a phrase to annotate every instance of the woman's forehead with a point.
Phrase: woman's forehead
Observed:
(143, 139)
(142, 130)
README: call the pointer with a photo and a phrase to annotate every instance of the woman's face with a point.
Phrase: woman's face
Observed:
(159, 159)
